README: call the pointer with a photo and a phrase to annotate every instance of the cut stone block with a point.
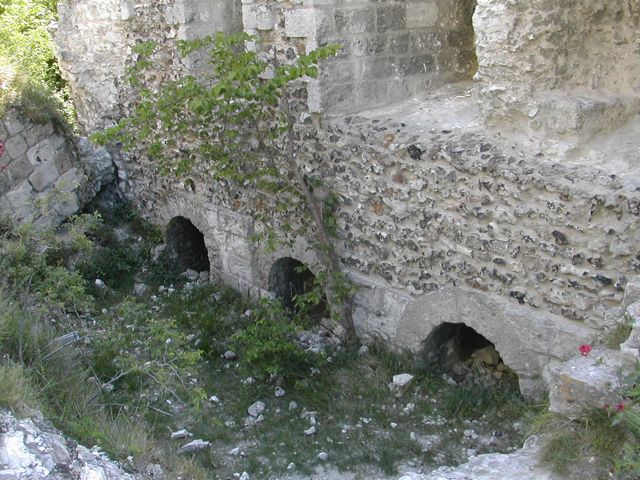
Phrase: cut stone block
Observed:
(587, 382)
(44, 176)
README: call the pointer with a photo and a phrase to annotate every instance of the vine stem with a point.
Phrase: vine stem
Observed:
(326, 249)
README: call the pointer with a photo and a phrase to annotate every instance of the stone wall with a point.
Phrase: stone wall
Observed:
(44, 175)
(94, 41)
(390, 50)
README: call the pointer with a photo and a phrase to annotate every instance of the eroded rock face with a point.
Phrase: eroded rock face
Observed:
(568, 68)
(95, 39)
(31, 449)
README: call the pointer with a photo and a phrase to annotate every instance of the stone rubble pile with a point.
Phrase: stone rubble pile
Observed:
(30, 449)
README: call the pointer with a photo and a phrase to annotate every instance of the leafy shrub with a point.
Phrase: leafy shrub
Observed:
(268, 345)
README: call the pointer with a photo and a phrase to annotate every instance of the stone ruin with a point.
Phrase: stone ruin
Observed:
(486, 154)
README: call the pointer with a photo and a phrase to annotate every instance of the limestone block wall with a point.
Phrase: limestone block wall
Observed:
(568, 68)
(390, 50)
(44, 176)
(94, 40)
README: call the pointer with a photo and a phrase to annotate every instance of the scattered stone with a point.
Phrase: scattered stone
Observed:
(180, 434)
(194, 446)
(409, 408)
(192, 275)
(214, 399)
(487, 355)
(249, 381)
(230, 355)
(255, 409)
(279, 392)
(363, 350)
(244, 476)
(323, 456)
(471, 452)
(291, 466)
(153, 470)
(30, 448)
(400, 382)
(235, 452)
(311, 430)
(293, 405)
(100, 284)
(140, 289)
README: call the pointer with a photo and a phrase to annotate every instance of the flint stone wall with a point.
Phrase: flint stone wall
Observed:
(45, 176)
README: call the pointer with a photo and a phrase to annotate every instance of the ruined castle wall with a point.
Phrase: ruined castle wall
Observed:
(451, 211)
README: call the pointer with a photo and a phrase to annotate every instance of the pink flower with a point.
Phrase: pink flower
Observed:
(585, 349)
(619, 407)
(2, 148)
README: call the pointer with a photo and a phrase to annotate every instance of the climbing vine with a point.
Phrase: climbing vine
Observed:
(241, 126)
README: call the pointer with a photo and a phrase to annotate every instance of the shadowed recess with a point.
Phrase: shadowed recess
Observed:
(185, 246)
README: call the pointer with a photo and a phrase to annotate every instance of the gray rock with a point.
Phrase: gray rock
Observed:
(192, 275)
(230, 355)
(279, 392)
(312, 430)
(194, 446)
(29, 448)
(400, 382)
(180, 434)
(140, 289)
(586, 382)
(323, 456)
(255, 409)
(488, 355)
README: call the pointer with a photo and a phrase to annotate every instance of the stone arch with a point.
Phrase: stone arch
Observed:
(289, 277)
(185, 246)
(528, 340)
(458, 349)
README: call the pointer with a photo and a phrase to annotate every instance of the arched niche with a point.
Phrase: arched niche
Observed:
(289, 277)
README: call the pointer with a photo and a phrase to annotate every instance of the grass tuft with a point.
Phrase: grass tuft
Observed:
(18, 392)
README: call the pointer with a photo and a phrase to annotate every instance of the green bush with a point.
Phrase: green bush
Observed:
(268, 347)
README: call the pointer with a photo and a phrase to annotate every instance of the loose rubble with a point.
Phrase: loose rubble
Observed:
(32, 449)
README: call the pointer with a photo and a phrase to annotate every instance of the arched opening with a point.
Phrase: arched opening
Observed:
(459, 350)
(289, 277)
(185, 247)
